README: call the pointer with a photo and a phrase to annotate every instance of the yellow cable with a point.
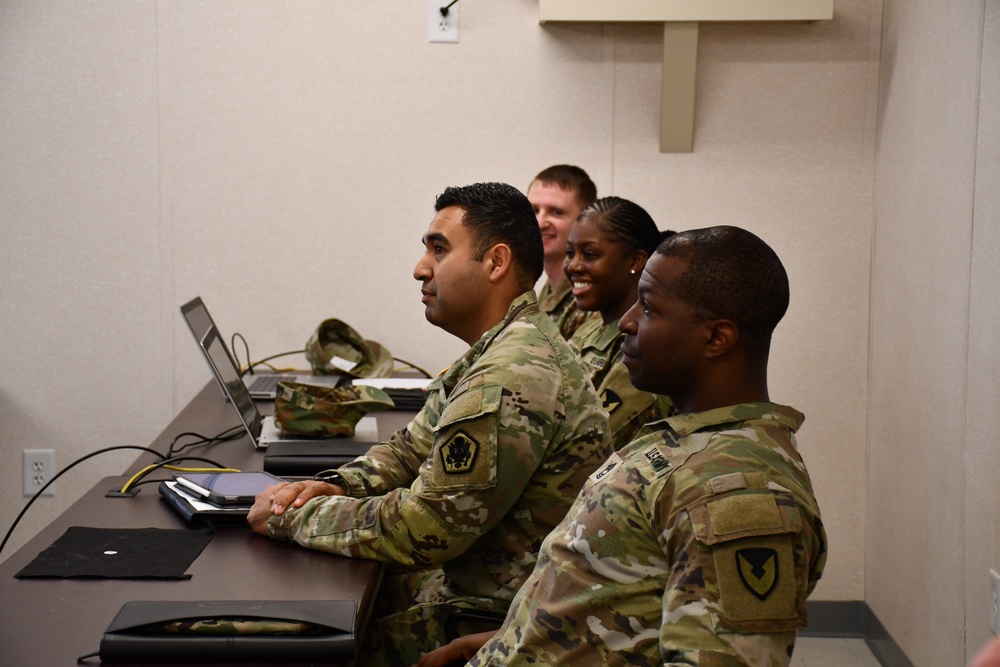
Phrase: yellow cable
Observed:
(136, 477)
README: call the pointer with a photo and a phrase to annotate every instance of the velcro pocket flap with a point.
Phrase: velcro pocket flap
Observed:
(475, 400)
(743, 514)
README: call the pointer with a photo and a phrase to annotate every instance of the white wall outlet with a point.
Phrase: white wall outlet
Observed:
(39, 466)
(994, 602)
(442, 27)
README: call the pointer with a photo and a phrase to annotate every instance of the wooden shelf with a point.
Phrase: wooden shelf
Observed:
(685, 10)
(680, 20)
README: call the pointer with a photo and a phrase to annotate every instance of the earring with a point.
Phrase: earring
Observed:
(632, 272)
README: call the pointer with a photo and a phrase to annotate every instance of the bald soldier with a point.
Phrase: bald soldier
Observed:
(459, 501)
(698, 542)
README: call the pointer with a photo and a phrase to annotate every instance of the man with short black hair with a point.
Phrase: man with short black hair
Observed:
(698, 542)
(459, 501)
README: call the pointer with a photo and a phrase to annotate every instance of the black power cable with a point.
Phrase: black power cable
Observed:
(164, 460)
(60, 474)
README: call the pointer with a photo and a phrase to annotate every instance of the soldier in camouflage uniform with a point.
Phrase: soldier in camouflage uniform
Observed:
(558, 194)
(698, 543)
(606, 251)
(460, 500)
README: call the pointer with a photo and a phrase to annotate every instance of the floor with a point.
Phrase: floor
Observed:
(837, 652)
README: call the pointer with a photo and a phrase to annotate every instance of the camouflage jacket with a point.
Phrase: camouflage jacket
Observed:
(697, 544)
(560, 306)
(489, 466)
(599, 346)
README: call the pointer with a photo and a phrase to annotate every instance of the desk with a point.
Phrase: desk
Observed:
(51, 622)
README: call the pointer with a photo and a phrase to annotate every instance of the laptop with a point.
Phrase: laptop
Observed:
(263, 431)
(263, 386)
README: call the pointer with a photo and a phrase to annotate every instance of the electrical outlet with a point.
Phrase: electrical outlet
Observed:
(994, 602)
(39, 466)
(442, 27)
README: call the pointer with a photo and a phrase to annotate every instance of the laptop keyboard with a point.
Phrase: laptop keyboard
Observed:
(264, 384)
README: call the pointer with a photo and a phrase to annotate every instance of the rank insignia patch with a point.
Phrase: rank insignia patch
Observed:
(758, 569)
(610, 400)
(459, 454)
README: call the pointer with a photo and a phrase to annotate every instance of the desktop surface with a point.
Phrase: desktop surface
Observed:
(52, 622)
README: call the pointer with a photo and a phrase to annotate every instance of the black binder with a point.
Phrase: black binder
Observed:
(134, 635)
(202, 518)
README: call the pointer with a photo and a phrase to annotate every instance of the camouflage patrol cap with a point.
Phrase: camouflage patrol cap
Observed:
(335, 347)
(312, 410)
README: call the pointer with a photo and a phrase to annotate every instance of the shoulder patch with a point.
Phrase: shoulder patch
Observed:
(458, 454)
(605, 469)
(758, 570)
(610, 400)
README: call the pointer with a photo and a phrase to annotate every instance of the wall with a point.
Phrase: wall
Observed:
(982, 417)
(280, 159)
(932, 465)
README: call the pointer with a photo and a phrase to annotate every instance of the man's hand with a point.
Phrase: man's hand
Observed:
(989, 654)
(274, 500)
(456, 652)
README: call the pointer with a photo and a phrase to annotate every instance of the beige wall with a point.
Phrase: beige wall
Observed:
(154, 151)
(935, 369)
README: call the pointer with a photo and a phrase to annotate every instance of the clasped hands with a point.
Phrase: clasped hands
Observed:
(274, 500)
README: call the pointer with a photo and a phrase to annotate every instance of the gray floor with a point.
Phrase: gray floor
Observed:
(839, 652)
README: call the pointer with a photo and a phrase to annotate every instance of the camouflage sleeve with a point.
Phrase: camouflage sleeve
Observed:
(737, 588)
(392, 464)
(476, 472)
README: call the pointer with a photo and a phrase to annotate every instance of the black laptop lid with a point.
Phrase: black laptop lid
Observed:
(229, 378)
(199, 322)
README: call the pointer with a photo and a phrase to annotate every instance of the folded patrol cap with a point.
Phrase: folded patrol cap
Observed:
(336, 348)
(311, 410)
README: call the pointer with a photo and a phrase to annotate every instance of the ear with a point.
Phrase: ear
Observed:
(498, 261)
(638, 261)
(722, 337)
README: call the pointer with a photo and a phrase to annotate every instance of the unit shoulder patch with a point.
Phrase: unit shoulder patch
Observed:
(458, 454)
(758, 570)
(610, 400)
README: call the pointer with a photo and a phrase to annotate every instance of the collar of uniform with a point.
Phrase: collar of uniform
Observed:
(523, 305)
(685, 424)
(549, 299)
(605, 339)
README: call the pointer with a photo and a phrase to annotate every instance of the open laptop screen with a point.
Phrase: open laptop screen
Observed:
(196, 315)
(199, 321)
(229, 378)
(262, 385)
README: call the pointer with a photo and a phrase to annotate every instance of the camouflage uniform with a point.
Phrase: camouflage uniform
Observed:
(696, 544)
(561, 307)
(599, 346)
(464, 495)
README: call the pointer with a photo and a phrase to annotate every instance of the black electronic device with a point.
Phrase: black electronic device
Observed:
(227, 488)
